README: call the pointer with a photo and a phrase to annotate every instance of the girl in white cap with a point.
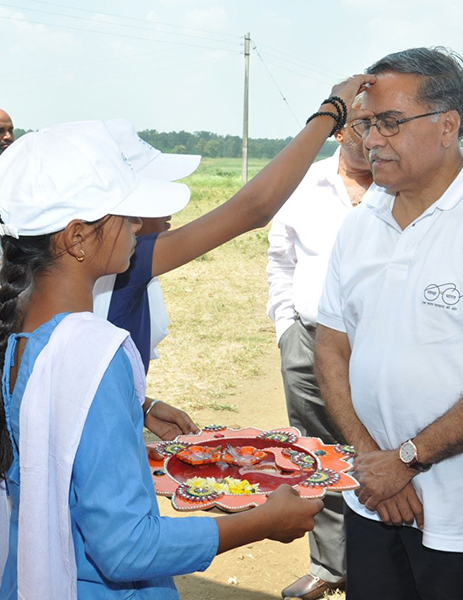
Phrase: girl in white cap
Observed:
(84, 518)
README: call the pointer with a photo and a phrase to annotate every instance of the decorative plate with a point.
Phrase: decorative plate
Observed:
(236, 469)
(199, 455)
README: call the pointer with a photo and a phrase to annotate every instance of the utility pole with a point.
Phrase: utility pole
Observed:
(244, 168)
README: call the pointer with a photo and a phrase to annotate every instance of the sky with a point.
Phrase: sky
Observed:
(174, 65)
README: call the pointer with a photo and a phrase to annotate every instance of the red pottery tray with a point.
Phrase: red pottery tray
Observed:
(284, 456)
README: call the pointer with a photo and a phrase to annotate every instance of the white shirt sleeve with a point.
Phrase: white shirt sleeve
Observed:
(280, 269)
(330, 307)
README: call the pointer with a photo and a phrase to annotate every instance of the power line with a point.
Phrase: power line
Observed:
(120, 35)
(100, 80)
(326, 82)
(138, 27)
(38, 73)
(276, 85)
(329, 79)
(316, 67)
(100, 22)
(126, 17)
(159, 40)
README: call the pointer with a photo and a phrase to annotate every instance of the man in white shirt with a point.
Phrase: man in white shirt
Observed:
(390, 336)
(301, 238)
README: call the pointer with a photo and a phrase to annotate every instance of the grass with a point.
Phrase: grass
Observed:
(223, 407)
(228, 168)
(216, 303)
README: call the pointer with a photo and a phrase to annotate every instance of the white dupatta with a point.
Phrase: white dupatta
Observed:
(54, 408)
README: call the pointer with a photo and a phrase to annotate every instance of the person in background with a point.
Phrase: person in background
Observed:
(300, 241)
(133, 300)
(6, 131)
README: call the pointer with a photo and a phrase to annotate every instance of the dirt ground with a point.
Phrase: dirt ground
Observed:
(258, 571)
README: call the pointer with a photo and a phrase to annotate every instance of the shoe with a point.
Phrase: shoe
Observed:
(309, 587)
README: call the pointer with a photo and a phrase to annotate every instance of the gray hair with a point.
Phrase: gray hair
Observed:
(442, 73)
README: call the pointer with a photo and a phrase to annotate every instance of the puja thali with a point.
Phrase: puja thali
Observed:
(236, 469)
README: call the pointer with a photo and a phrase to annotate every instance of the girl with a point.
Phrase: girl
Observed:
(85, 523)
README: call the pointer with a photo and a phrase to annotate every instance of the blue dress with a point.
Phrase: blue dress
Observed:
(124, 549)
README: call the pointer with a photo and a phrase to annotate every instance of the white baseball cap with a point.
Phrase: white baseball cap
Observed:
(76, 171)
(147, 160)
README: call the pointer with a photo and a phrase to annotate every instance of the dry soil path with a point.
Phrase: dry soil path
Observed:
(258, 571)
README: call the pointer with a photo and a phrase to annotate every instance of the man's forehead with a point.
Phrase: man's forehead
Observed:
(5, 119)
(393, 93)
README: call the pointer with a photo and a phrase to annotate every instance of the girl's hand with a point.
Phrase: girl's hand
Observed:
(168, 422)
(348, 90)
(291, 516)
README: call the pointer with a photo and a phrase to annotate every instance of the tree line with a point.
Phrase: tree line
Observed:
(212, 145)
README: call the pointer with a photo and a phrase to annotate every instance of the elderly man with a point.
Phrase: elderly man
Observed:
(301, 238)
(6, 131)
(390, 336)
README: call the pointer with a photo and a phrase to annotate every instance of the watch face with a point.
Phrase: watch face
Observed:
(407, 452)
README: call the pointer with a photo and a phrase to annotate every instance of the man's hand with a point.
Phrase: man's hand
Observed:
(381, 475)
(168, 422)
(404, 507)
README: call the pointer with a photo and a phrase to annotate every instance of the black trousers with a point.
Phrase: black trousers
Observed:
(391, 563)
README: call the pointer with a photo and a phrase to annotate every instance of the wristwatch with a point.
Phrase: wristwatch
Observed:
(408, 454)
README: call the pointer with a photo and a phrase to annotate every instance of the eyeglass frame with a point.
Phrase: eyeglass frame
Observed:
(398, 123)
(351, 125)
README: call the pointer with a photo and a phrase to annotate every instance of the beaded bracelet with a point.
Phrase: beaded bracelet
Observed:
(152, 403)
(327, 114)
(341, 109)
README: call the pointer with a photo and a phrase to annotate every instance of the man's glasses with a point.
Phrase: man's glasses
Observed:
(387, 126)
(356, 133)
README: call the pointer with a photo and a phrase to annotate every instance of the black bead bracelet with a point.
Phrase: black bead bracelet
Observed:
(341, 108)
(327, 114)
(340, 117)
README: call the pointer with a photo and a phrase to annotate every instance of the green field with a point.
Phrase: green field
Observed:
(230, 167)
(220, 168)
(216, 303)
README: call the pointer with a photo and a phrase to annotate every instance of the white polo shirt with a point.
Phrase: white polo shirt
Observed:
(399, 297)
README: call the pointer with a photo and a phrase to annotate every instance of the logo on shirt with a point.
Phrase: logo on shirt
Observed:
(444, 295)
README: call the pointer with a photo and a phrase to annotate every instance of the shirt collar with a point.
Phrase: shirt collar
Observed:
(378, 198)
(452, 195)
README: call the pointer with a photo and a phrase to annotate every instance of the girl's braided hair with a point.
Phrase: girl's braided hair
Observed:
(23, 259)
